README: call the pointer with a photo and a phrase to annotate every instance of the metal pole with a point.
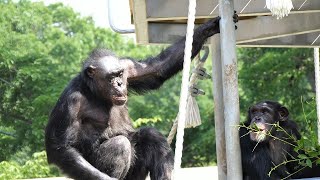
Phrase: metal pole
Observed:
(230, 89)
(317, 78)
(218, 107)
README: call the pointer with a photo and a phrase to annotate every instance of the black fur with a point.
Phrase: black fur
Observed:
(258, 157)
(90, 135)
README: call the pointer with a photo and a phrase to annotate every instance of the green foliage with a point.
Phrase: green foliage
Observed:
(36, 167)
(146, 121)
(283, 75)
(309, 139)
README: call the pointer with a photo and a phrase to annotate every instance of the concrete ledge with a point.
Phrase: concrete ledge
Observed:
(201, 173)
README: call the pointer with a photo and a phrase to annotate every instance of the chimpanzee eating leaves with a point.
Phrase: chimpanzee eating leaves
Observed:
(265, 145)
(90, 135)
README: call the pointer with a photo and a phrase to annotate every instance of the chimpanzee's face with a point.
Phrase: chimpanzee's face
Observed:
(109, 79)
(262, 116)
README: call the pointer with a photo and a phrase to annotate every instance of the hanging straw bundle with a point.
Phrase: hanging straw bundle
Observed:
(279, 8)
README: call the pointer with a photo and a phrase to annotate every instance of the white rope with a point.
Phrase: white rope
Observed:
(172, 131)
(302, 4)
(245, 6)
(193, 118)
(214, 9)
(184, 86)
(317, 78)
(315, 39)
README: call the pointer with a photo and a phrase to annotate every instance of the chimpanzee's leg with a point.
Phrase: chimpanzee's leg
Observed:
(114, 157)
(153, 154)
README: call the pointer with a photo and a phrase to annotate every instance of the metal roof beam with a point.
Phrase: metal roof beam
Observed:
(268, 27)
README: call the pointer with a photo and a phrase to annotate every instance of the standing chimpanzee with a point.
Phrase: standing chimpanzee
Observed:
(267, 140)
(90, 134)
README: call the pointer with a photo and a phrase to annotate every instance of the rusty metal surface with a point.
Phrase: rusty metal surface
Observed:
(230, 89)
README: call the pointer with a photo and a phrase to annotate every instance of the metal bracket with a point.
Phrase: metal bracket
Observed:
(195, 91)
(201, 73)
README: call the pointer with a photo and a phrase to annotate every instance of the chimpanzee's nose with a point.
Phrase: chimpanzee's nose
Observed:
(257, 118)
(119, 83)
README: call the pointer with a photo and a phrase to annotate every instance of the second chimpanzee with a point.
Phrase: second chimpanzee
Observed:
(268, 139)
(90, 134)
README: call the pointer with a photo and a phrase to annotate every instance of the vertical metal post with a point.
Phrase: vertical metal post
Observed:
(230, 89)
(317, 78)
(218, 107)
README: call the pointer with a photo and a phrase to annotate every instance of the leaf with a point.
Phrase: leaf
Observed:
(309, 163)
(302, 156)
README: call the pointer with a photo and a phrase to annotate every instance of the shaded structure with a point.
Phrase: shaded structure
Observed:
(165, 21)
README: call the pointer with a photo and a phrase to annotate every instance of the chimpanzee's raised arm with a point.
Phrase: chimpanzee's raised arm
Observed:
(151, 73)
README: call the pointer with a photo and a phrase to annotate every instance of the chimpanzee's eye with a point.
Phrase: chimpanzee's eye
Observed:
(120, 74)
(253, 111)
(264, 110)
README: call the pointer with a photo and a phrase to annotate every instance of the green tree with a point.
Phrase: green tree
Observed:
(36, 167)
(284, 75)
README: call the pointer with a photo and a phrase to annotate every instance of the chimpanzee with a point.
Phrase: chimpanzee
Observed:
(90, 135)
(267, 140)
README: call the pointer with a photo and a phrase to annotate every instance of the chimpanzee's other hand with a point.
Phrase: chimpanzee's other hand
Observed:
(212, 26)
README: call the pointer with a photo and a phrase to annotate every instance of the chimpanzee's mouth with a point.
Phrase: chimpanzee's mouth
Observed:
(258, 132)
(258, 135)
(119, 99)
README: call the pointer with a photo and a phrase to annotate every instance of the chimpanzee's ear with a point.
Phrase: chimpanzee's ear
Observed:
(283, 113)
(91, 70)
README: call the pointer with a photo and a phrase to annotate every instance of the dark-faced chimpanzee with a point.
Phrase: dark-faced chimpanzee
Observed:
(90, 134)
(267, 140)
